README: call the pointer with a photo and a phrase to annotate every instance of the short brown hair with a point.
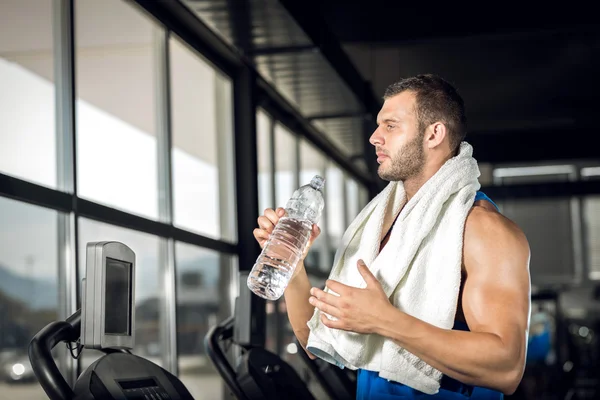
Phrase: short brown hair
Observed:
(436, 100)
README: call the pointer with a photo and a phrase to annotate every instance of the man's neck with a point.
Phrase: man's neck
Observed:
(413, 184)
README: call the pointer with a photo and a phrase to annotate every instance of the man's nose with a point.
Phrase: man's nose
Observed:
(376, 138)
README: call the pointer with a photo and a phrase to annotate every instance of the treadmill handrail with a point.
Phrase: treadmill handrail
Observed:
(42, 362)
(216, 354)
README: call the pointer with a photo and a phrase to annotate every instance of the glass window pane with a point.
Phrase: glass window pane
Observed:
(200, 108)
(27, 103)
(115, 108)
(201, 291)
(313, 162)
(285, 165)
(334, 191)
(522, 174)
(149, 290)
(263, 138)
(591, 218)
(548, 227)
(353, 201)
(28, 291)
(363, 196)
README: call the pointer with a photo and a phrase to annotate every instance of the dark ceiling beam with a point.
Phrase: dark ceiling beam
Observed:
(533, 145)
(240, 21)
(349, 114)
(268, 51)
(350, 34)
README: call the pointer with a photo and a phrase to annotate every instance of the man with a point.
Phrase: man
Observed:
(420, 127)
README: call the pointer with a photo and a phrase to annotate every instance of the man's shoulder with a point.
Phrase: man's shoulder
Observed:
(488, 229)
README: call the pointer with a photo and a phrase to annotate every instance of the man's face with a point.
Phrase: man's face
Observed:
(397, 140)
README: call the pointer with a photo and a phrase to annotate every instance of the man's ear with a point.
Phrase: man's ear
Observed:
(435, 134)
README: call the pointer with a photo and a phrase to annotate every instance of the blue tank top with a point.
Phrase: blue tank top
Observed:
(372, 387)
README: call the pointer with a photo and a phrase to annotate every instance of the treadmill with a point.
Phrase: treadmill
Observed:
(251, 372)
(105, 322)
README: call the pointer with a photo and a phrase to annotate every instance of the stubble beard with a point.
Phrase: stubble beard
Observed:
(408, 162)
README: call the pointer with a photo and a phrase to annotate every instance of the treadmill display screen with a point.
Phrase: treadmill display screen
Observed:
(117, 307)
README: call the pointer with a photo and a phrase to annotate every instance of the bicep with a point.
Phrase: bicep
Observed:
(496, 293)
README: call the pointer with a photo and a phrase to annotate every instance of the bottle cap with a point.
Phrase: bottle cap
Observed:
(317, 182)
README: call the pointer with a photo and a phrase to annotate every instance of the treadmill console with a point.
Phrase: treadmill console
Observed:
(108, 297)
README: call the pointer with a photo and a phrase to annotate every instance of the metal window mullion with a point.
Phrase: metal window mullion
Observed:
(64, 89)
(67, 282)
(246, 171)
(168, 316)
(64, 83)
(167, 273)
(223, 98)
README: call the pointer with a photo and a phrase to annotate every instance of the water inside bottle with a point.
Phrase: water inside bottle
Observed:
(274, 268)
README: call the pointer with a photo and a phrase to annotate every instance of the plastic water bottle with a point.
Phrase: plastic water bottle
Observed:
(274, 267)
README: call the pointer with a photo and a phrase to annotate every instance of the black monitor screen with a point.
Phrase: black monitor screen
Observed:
(117, 307)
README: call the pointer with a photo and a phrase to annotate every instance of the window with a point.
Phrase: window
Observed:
(334, 190)
(204, 298)
(591, 217)
(548, 226)
(285, 165)
(353, 202)
(202, 153)
(534, 174)
(149, 291)
(313, 162)
(265, 167)
(27, 102)
(116, 106)
(363, 195)
(29, 290)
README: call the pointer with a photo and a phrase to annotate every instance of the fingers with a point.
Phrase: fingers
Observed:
(333, 324)
(324, 307)
(366, 273)
(260, 234)
(271, 216)
(316, 231)
(337, 287)
(327, 298)
(266, 224)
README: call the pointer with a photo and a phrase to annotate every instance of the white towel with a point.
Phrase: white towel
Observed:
(419, 269)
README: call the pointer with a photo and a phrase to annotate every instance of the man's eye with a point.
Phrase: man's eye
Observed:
(390, 127)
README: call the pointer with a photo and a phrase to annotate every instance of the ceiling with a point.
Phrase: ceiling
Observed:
(265, 33)
(528, 75)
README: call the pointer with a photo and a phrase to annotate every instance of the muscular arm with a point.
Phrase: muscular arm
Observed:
(298, 308)
(297, 292)
(496, 304)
